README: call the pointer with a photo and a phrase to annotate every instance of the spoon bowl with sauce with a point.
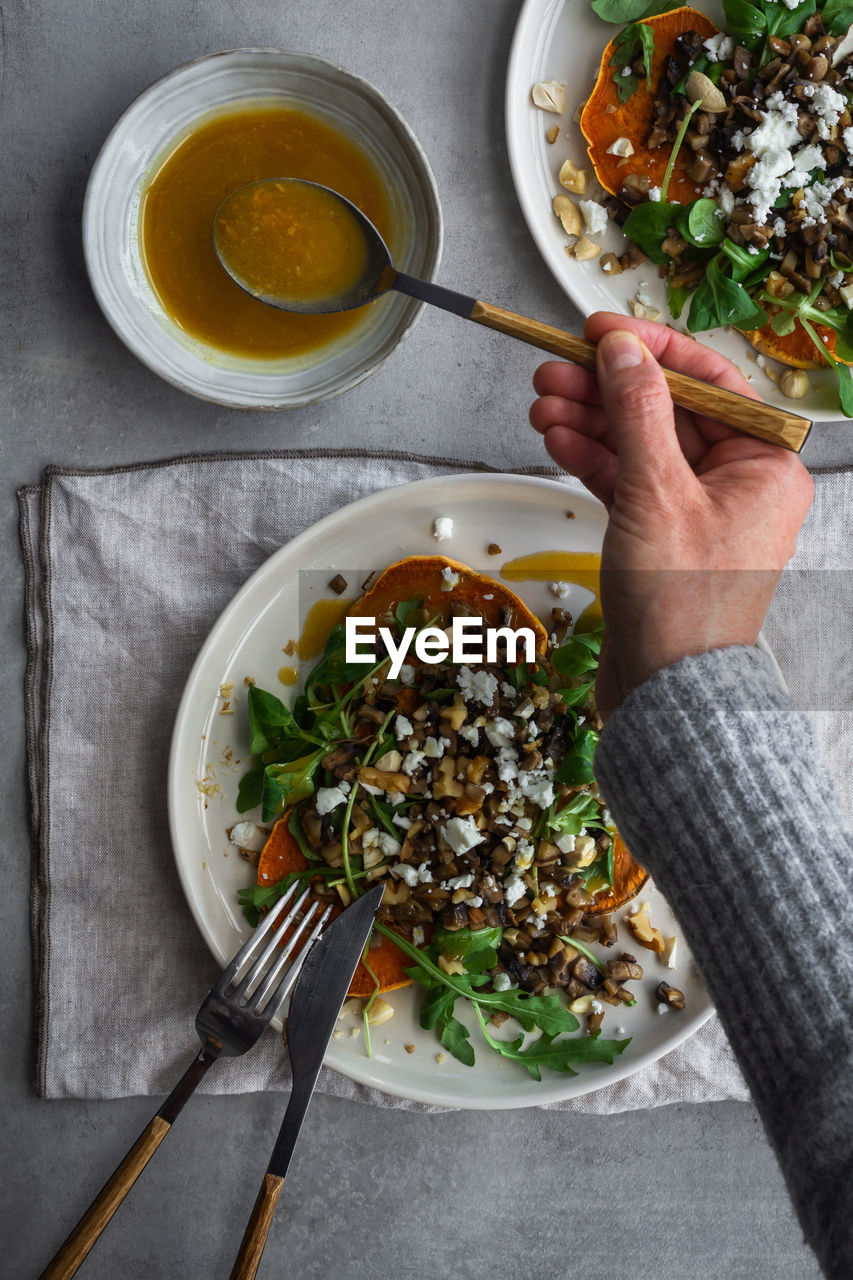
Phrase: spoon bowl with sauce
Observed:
(302, 247)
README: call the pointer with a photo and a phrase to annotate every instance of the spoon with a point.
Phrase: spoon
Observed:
(374, 274)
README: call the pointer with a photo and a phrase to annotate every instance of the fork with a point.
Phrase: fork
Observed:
(231, 1019)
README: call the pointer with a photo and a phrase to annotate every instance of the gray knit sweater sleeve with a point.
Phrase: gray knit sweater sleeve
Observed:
(715, 780)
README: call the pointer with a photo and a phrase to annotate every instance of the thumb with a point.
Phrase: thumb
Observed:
(639, 409)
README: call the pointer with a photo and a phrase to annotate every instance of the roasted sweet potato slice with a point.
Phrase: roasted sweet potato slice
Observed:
(628, 879)
(796, 348)
(280, 856)
(605, 118)
(421, 577)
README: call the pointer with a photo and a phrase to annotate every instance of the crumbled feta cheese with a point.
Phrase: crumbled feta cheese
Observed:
(442, 528)
(836, 278)
(829, 106)
(459, 882)
(524, 852)
(403, 727)
(562, 590)
(469, 733)
(537, 786)
(719, 47)
(461, 834)
(328, 798)
(643, 296)
(425, 873)
(663, 1008)
(595, 218)
(477, 686)
(654, 194)
(847, 137)
(597, 1006)
(247, 835)
(407, 675)
(502, 982)
(565, 843)
(474, 901)
(400, 820)
(418, 935)
(434, 748)
(507, 764)
(779, 227)
(412, 761)
(726, 199)
(532, 730)
(375, 838)
(405, 871)
(524, 824)
(449, 579)
(500, 732)
(514, 889)
(621, 147)
(508, 691)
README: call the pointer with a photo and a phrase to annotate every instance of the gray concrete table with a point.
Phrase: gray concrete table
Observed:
(681, 1191)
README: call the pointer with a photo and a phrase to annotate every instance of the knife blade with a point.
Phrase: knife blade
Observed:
(316, 1001)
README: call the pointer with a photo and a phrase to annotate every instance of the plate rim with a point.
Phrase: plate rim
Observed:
(176, 785)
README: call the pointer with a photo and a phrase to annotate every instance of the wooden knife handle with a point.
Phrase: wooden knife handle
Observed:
(751, 416)
(96, 1217)
(249, 1257)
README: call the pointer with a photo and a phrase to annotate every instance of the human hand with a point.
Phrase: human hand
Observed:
(702, 518)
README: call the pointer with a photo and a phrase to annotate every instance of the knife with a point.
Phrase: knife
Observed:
(314, 1007)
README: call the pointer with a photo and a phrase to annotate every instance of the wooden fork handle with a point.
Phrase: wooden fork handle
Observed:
(96, 1217)
(252, 1247)
(751, 416)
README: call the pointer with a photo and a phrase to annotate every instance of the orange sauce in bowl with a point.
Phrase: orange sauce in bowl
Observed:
(248, 142)
(293, 241)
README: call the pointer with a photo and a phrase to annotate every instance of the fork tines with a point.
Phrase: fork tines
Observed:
(258, 985)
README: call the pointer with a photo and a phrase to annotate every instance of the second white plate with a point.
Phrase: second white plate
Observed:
(563, 40)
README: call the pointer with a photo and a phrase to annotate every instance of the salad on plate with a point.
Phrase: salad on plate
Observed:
(725, 154)
(467, 790)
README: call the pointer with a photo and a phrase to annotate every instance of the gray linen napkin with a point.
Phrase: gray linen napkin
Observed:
(126, 571)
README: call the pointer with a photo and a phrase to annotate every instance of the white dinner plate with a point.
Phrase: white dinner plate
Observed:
(210, 750)
(563, 40)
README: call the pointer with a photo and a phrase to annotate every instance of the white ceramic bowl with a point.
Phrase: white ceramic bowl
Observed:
(148, 130)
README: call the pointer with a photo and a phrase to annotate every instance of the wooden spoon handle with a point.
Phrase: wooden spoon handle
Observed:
(96, 1217)
(751, 416)
(257, 1230)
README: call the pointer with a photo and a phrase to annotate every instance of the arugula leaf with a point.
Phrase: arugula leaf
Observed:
(700, 223)
(333, 669)
(619, 11)
(287, 784)
(837, 16)
(745, 22)
(557, 1055)
(577, 695)
(476, 948)
(404, 611)
(677, 295)
(578, 654)
(782, 21)
(581, 811)
(250, 791)
(634, 40)
(648, 224)
(719, 300)
(575, 768)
